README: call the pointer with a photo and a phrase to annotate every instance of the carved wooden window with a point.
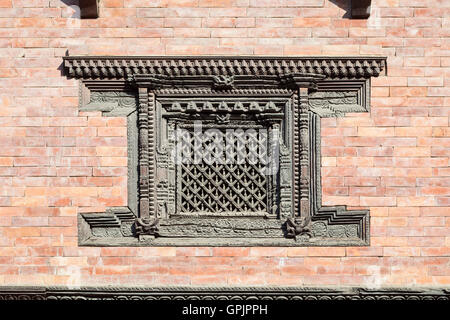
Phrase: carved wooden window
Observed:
(224, 151)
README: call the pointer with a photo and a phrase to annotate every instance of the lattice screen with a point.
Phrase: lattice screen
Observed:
(228, 177)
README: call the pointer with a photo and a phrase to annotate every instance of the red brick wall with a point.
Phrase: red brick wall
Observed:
(56, 161)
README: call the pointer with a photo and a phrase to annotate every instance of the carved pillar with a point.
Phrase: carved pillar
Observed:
(151, 154)
(147, 223)
(300, 222)
(296, 156)
(143, 154)
(304, 169)
(285, 182)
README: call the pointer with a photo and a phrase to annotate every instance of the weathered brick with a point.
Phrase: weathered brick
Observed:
(231, 251)
(376, 132)
(326, 252)
(267, 252)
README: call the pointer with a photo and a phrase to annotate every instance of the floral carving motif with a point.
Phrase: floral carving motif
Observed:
(224, 227)
(334, 103)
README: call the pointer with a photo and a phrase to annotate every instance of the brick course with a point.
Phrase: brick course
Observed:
(56, 161)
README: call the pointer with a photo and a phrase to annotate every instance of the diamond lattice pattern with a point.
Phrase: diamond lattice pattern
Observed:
(228, 175)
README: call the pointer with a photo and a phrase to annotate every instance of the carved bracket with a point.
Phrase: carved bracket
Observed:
(298, 226)
(147, 227)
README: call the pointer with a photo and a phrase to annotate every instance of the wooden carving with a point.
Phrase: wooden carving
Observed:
(224, 151)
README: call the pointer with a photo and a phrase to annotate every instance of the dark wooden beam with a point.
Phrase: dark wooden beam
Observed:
(360, 9)
(89, 9)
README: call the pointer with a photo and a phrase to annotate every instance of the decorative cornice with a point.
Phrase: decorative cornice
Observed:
(221, 293)
(118, 67)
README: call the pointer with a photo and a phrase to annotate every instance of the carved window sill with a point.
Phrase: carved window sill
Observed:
(203, 204)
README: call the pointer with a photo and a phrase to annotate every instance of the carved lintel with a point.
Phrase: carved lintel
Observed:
(251, 106)
(215, 82)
